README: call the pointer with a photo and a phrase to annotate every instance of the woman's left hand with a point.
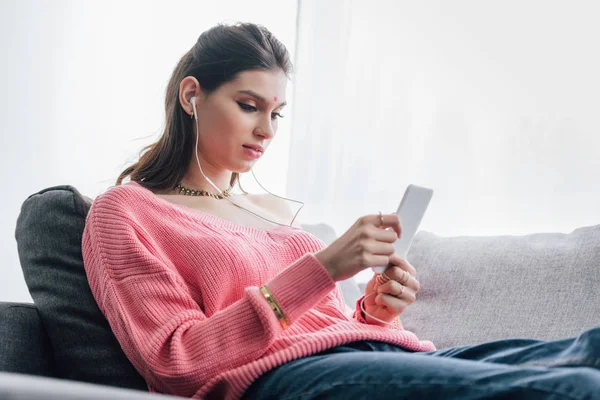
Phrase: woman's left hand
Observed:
(392, 297)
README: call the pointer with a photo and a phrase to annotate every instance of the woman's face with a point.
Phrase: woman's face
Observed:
(238, 116)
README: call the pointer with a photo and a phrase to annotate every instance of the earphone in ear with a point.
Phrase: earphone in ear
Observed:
(193, 101)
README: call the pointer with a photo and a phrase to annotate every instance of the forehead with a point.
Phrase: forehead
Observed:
(269, 84)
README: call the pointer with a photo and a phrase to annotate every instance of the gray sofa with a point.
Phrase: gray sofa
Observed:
(474, 289)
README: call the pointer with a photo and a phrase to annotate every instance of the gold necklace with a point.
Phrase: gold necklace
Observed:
(193, 192)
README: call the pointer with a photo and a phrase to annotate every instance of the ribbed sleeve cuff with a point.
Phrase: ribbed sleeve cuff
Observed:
(301, 286)
(360, 317)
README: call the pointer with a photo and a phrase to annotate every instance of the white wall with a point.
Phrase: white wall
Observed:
(82, 92)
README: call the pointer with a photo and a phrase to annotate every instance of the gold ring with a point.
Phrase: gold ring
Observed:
(380, 280)
(401, 290)
(388, 278)
(407, 278)
(380, 219)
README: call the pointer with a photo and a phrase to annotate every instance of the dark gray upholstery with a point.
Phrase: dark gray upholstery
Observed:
(48, 233)
(24, 346)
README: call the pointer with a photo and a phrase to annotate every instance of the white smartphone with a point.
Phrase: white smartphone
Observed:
(411, 210)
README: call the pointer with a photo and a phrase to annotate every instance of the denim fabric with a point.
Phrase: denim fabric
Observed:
(504, 369)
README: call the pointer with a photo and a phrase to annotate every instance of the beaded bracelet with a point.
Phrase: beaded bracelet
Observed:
(275, 307)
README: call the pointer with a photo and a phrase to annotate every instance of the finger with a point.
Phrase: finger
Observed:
(385, 221)
(393, 304)
(384, 235)
(396, 260)
(393, 288)
(379, 248)
(400, 276)
(370, 260)
(411, 270)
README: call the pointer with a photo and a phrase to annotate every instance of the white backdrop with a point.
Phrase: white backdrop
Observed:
(82, 92)
(493, 104)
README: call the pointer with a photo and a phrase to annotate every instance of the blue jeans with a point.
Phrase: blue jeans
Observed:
(503, 369)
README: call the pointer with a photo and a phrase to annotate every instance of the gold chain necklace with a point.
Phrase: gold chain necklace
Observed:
(193, 192)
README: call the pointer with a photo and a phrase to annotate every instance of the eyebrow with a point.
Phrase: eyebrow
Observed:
(259, 97)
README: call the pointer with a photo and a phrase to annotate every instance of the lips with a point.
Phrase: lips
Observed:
(255, 147)
(252, 152)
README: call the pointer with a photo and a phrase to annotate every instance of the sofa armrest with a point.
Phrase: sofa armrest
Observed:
(24, 347)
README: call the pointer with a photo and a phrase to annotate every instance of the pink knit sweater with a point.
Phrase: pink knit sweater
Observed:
(180, 289)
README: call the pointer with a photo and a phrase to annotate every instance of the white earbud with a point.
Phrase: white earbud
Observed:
(193, 101)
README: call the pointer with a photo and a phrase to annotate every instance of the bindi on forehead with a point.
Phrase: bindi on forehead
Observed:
(275, 99)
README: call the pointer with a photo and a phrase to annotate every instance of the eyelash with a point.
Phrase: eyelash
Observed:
(249, 108)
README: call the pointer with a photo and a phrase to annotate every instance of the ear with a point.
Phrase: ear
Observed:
(188, 88)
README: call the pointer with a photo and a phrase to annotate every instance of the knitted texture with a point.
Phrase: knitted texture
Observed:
(180, 290)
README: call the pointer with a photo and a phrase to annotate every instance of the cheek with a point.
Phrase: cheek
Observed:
(235, 125)
(227, 129)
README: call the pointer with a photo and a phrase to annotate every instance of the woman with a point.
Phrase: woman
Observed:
(217, 295)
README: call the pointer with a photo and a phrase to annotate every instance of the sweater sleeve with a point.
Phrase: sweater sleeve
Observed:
(160, 327)
(359, 316)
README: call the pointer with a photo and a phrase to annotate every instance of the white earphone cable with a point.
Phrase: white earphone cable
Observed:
(193, 101)
(362, 308)
(284, 198)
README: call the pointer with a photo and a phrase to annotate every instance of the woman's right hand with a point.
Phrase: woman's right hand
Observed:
(366, 244)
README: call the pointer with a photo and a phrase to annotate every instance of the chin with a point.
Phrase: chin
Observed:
(243, 168)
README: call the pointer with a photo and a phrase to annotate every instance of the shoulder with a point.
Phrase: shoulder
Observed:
(114, 195)
(120, 201)
(123, 213)
(125, 192)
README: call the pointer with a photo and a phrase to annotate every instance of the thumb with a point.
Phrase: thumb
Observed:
(370, 288)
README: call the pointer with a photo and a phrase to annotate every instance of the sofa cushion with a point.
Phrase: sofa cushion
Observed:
(24, 347)
(49, 231)
(477, 289)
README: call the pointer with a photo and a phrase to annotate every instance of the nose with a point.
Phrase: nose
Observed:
(265, 130)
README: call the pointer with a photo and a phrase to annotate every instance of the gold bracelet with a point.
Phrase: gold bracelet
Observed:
(275, 306)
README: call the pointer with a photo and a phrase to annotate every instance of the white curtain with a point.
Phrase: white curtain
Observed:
(83, 93)
(494, 105)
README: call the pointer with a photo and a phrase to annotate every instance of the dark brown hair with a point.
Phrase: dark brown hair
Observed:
(217, 57)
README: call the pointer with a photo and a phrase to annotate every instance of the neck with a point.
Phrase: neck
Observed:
(193, 179)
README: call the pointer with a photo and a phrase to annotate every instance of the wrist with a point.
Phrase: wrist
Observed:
(324, 259)
(371, 321)
(365, 319)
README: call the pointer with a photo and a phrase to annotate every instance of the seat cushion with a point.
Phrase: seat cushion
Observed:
(477, 289)
(24, 347)
(49, 231)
